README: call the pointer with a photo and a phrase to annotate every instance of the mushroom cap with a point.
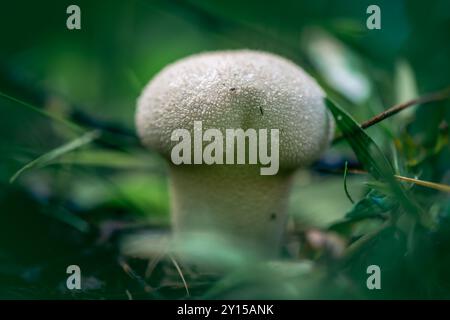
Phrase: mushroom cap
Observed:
(237, 89)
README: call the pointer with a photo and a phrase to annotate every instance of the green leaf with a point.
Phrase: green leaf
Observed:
(370, 155)
(110, 159)
(55, 153)
(69, 218)
(367, 152)
(373, 205)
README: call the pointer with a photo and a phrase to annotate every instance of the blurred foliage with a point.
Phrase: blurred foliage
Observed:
(92, 185)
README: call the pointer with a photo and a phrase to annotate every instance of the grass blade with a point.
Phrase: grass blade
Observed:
(367, 152)
(49, 115)
(55, 153)
(370, 155)
(345, 183)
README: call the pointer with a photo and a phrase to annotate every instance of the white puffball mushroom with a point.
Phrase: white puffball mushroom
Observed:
(235, 89)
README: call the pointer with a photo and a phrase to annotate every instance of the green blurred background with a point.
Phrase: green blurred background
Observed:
(74, 207)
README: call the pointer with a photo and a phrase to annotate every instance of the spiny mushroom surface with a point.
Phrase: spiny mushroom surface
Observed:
(235, 89)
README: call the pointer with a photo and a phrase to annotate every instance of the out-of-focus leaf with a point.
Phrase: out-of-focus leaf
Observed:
(371, 206)
(42, 112)
(405, 90)
(142, 194)
(69, 218)
(110, 159)
(279, 280)
(307, 211)
(338, 65)
(380, 186)
(405, 83)
(48, 157)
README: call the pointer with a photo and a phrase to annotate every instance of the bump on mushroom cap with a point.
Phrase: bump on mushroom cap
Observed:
(237, 89)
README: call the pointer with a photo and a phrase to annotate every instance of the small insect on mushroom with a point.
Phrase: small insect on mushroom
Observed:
(222, 90)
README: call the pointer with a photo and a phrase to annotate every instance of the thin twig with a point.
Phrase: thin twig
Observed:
(428, 184)
(130, 297)
(153, 263)
(431, 97)
(175, 263)
(133, 275)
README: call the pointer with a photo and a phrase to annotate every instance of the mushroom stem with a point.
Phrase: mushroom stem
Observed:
(245, 208)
